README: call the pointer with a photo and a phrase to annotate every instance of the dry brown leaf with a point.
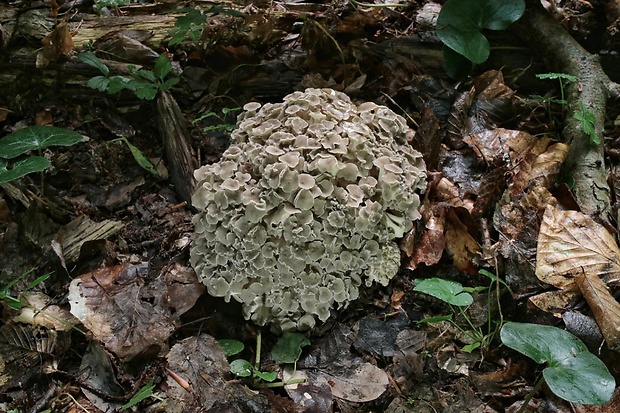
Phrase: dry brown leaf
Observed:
(547, 165)
(605, 308)
(554, 302)
(570, 243)
(460, 245)
(429, 248)
(129, 314)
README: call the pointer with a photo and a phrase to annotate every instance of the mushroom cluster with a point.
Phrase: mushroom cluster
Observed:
(303, 208)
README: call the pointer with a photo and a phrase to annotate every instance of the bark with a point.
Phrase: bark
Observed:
(584, 167)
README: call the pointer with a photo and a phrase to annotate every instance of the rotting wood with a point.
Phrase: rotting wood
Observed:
(584, 166)
(175, 136)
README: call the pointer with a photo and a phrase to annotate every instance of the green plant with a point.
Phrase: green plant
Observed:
(458, 298)
(223, 125)
(286, 350)
(110, 3)
(193, 22)
(145, 392)
(563, 78)
(588, 122)
(144, 83)
(572, 372)
(139, 156)
(460, 24)
(17, 302)
(32, 138)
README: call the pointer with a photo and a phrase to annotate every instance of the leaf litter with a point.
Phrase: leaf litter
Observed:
(143, 307)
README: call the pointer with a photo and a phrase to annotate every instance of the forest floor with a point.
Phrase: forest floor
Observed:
(101, 307)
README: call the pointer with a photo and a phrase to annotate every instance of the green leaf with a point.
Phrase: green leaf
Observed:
(143, 89)
(449, 291)
(268, 376)
(144, 393)
(588, 122)
(139, 157)
(241, 368)
(573, 373)
(22, 167)
(564, 76)
(117, 83)
(100, 83)
(230, 346)
(163, 66)
(36, 138)
(455, 64)
(474, 15)
(471, 44)
(169, 83)
(90, 59)
(288, 348)
(460, 23)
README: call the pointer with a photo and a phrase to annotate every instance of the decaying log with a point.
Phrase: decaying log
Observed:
(584, 166)
(174, 133)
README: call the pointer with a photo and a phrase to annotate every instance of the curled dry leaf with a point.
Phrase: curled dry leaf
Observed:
(604, 306)
(547, 165)
(571, 243)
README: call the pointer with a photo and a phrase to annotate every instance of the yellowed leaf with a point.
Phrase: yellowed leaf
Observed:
(605, 308)
(570, 243)
(554, 302)
(547, 164)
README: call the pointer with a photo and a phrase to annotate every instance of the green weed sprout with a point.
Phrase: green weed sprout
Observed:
(223, 125)
(286, 350)
(459, 298)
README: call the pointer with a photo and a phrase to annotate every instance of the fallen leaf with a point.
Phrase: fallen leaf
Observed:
(123, 309)
(605, 308)
(460, 245)
(571, 243)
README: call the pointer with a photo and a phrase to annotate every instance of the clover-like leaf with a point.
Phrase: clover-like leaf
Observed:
(22, 167)
(449, 291)
(36, 138)
(573, 373)
(288, 348)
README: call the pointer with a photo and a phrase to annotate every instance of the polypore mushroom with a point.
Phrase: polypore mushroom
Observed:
(303, 209)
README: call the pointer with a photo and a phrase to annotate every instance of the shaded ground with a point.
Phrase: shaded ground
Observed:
(114, 238)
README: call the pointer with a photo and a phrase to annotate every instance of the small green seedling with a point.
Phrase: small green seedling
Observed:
(563, 78)
(588, 122)
(223, 125)
(144, 393)
(458, 296)
(572, 372)
(144, 83)
(17, 303)
(286, 350)
(32, 138)
(460, 24)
